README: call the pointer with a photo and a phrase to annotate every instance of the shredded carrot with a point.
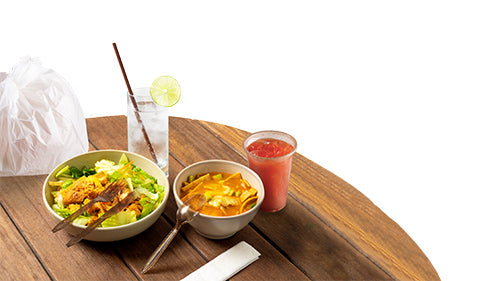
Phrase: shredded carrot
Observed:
(126, 166)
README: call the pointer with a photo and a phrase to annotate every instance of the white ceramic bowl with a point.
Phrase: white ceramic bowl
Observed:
(109, 233)
(217, 227)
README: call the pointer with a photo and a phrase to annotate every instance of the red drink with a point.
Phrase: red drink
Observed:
(270, 156)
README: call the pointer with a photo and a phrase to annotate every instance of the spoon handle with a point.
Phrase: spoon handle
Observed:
(160, 249)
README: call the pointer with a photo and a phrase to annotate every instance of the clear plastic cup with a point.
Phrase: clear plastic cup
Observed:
(148, 124)
(270, 155)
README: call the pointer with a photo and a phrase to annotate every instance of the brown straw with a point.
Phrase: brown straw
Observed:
(132, 98)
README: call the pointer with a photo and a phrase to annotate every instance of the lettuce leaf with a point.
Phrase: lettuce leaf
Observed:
(62, 211)
(148, 206)
(124, 217)
(142, 173)
(141, 190)
(82, 220)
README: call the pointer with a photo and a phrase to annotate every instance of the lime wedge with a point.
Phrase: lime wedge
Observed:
(165, 91)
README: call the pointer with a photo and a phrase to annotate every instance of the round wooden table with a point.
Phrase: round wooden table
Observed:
(327, 231)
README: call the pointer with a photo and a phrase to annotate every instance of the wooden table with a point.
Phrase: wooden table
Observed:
(328, 231)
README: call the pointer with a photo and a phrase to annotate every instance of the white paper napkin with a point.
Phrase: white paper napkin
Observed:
(225, 265)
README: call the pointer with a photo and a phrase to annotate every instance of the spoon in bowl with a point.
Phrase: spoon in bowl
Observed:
(185, 214)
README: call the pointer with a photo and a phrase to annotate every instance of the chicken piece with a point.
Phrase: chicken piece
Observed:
(97, 208)
(73, 207)
(92, 219)
(72, 197)
(80, 190)
(136, 207)
(102, 178)
(218, 201)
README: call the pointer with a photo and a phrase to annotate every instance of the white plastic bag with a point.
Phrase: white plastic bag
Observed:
(41, 120)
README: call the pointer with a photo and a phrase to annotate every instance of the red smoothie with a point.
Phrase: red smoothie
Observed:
(271, 159)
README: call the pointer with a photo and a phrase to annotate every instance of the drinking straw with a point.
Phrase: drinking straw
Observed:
(132, 98)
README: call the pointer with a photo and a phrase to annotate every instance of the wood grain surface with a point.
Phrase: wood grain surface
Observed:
(328, 231)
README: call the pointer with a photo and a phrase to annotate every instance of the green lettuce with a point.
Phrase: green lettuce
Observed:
(63, 212)
(82, 220)
(148, 206)
(123, 217)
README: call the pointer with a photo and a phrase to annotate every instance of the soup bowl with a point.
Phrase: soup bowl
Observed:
(220, 227)
(108, 233)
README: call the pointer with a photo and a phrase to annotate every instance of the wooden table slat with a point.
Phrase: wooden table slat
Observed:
(13, 250)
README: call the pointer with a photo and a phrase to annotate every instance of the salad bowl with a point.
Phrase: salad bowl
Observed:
(110, 233)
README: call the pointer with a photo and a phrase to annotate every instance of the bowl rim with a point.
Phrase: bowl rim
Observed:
(199, 163)
(112, 228)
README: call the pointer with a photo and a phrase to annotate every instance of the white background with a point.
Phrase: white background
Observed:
(403, 94)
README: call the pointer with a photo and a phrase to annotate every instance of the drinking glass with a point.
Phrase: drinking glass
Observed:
(147, 124)
(270, 154)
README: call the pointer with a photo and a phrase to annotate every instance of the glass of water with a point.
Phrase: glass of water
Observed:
(147, 126)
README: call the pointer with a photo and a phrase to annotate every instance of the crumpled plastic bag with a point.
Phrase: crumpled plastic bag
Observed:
(41, 121)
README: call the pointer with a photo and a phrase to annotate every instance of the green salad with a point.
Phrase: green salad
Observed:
(75, 187)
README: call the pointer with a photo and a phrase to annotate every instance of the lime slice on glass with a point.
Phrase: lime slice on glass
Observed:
(165, 91)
